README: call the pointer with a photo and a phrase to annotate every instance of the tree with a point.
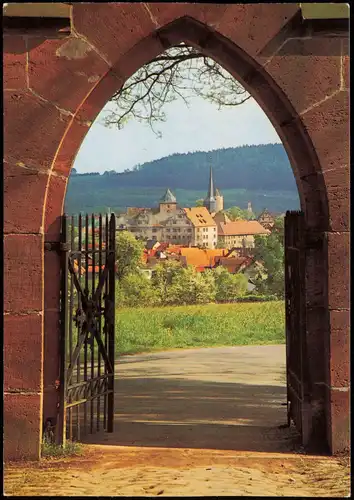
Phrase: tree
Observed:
(270, 251)
(237, 213)
(128, 254)
(229, 286)
(199, 203)
(179, 285)
(134, 290)
(162, 280)
(181, 71)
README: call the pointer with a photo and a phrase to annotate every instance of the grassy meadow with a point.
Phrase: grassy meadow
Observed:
(161, 328)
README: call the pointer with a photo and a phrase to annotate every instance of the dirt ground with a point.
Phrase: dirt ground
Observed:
(195, 422)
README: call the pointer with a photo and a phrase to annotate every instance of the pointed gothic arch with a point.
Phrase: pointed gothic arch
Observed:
(45, 87)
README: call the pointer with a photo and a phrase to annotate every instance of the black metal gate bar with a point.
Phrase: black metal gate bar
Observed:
(99, 318)
(61, 423)
(92, 337)
(79, 308)
(105, 328)
(92, 344)
(86, 292)
(71, 308)
(111, 323)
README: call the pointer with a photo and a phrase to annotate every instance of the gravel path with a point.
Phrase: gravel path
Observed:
(193, 422)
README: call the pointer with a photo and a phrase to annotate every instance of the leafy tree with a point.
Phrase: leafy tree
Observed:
(162, 280)
(270, 251)
(194, 287)
(175, 284)
(128, 254)
(199, 203)
(181, 71)
(237, 213)
(220, 244)
(278, 229)
(229, 286)
(135, 289)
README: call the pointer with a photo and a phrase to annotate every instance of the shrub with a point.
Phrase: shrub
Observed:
(135, 290)
(229, 286)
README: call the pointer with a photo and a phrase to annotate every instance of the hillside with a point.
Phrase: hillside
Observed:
(260, 174)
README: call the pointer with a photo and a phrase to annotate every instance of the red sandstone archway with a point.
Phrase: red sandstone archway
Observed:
(55, 89)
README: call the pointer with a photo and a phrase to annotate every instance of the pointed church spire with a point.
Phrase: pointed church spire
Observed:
(211, 184)
(209, 201)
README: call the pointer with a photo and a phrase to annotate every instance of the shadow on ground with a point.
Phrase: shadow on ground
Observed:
(180, 413)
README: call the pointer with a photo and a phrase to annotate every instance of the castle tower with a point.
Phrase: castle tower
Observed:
(209, 201)
(168, 203)
(249, 208)
(219, 199)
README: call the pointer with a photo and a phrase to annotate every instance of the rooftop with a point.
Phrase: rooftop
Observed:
(200, 257)
(241, 228)
(168, 197)
(200, 216)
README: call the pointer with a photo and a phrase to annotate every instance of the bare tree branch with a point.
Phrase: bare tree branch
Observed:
(180, 72)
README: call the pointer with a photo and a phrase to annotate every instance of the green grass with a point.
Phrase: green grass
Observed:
(159, 328)
(50, 450)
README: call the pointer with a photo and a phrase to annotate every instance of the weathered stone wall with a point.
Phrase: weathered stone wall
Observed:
(54, 89)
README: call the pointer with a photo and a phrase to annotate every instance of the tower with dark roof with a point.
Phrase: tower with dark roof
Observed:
(210, 202)
(168, 202)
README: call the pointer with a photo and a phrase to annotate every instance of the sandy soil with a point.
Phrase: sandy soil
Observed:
(194, 422)
(124, 471)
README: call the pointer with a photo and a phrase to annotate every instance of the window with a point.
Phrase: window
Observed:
(154, 230)
(154, 237)
(189, 230)
(174, 222)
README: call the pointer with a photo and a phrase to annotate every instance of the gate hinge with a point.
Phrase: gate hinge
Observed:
(56, 246)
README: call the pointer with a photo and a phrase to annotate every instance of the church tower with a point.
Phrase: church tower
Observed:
(219, 199)
(210, 202)
(168, 203)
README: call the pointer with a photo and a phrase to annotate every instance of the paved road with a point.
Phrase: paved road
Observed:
(228, 398)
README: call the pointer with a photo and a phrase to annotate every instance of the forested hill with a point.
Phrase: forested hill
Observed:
(247, 167)
(263, 169)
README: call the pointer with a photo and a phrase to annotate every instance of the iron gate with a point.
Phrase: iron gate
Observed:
(87, 326)
(295, 304)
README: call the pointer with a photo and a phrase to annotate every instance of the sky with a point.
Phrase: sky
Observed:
(201, 127)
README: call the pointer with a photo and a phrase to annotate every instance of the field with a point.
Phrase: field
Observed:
(159, 328)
